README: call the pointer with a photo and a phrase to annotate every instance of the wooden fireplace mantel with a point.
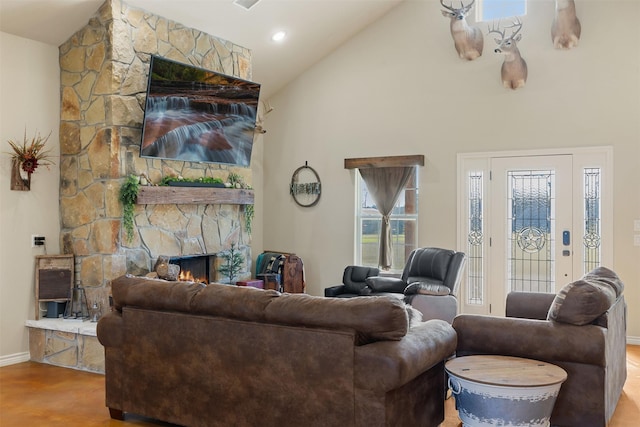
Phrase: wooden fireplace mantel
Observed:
(194, 195)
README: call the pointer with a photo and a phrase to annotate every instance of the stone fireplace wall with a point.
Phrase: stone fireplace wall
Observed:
(104, 68)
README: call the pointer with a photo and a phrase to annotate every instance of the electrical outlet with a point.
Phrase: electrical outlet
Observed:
(37, 240)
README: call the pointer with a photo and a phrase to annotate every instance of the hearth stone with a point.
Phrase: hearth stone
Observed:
(70, 344)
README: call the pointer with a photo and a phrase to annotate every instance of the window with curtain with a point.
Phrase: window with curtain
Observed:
(403, 222)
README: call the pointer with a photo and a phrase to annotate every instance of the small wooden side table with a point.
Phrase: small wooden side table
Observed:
(501, 390)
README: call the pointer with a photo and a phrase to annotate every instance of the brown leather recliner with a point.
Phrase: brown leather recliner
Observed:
(582, 329)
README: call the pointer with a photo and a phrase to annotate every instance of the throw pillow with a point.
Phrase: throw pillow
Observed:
(603, 274)
(581, 302)
(426, 288)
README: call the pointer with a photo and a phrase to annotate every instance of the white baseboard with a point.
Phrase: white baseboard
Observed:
(12, 359)
(633, 340)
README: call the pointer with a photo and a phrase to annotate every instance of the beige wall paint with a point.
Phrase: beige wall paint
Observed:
(399, 88)
(29, 98)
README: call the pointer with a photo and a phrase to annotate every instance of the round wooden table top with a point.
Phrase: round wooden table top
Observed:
(505, 371)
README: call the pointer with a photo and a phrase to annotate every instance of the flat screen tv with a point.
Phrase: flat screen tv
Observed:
(196, 115)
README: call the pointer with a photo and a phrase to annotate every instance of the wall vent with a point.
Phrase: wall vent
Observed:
(246, 4)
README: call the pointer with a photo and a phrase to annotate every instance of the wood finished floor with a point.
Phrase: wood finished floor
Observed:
(34, 394)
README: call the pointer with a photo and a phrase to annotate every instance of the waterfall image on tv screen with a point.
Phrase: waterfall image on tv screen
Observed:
(197, 115)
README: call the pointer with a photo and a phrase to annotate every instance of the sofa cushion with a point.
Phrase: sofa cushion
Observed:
(427, 287)
(354, 277)
(385, 284)
(373, 318)
(354, 287)
(581, 302)
(234, 302)
(153, 294)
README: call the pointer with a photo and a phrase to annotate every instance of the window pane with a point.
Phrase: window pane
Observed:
(404, 229)
(531, 227)
(591, 239)
(489, 10)
(370, 232)
(475, 240)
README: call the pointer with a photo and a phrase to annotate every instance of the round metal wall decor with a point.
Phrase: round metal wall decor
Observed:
(305, 186)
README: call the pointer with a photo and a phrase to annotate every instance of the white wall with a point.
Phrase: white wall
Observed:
(29, 99)
(398, 88)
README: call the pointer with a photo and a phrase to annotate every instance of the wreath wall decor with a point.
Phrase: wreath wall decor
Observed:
(305, 186)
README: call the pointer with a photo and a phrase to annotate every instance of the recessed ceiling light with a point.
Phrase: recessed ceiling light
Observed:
(279, 36)
(246, 4)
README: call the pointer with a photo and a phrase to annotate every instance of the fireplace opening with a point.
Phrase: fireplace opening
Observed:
(196, 268)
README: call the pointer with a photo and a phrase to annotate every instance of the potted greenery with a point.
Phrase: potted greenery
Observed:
(232, 263)
(128, 196)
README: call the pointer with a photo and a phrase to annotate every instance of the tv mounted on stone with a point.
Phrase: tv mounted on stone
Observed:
(192, 114)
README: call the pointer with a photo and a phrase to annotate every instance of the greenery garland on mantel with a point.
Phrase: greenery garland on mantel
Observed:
(204, 180)
(131, 187)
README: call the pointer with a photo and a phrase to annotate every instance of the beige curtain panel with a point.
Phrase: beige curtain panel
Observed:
(385, 185)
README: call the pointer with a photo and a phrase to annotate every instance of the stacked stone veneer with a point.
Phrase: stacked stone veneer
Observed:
(103, 73)
(67, 346)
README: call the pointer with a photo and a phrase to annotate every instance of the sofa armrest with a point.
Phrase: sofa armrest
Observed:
(386, 365)
(529, 305)
(334, 291)
(534, 339)
(110, 329)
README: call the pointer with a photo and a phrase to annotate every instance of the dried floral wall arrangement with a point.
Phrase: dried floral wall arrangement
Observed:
(26, 158)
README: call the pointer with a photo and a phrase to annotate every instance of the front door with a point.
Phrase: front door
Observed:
(530, 223)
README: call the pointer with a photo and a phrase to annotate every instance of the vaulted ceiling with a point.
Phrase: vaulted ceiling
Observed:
(314, 27)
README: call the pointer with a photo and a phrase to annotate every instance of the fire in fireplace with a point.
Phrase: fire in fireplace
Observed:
(196, 268)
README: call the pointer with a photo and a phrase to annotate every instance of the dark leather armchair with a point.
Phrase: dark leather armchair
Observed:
(433, 278)
(434, 268)
(353, 282)
(429, 282)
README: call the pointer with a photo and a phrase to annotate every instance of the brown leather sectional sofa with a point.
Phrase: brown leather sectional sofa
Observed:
(233, 356)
